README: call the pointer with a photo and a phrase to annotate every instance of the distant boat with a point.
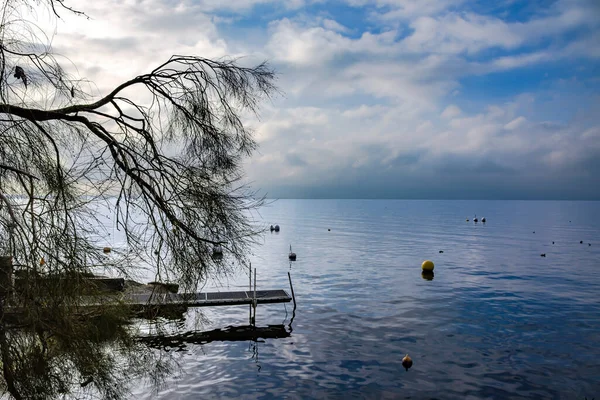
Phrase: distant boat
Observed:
(292, 255)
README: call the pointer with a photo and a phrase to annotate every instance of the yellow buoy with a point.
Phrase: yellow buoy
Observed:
(427, 265)
(407, 362)
(42, 261)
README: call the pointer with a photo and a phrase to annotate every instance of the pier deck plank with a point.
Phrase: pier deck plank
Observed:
(204, 299)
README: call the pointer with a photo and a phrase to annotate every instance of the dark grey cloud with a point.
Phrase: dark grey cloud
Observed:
(472, 166)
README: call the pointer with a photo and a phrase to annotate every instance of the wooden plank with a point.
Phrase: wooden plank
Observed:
(209, 298)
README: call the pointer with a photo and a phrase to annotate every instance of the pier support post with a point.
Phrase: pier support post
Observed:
(254, 303)
(250, 291)
(254, 300)
(292, 288)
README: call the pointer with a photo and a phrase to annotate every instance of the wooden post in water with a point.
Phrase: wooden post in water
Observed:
(254, 300)
(292, 288)
(250, 291)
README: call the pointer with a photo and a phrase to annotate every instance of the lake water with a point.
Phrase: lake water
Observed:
(497, 321)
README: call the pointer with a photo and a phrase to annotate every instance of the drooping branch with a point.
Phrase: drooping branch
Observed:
(18, 171)
(160, 154)
(163, 82)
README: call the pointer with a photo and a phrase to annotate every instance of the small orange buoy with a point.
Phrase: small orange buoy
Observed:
(407, 362)
(107, 249)
(42, 261)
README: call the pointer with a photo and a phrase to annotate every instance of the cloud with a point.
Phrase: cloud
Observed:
(490, 146)
(390, 97)
(451, 111)
(455, 33)
(295, 160)
(515, 123)
(364, 111)
(332, 25)
(410, 9)
(296, 43)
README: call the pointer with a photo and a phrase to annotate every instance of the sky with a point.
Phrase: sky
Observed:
(439, 99)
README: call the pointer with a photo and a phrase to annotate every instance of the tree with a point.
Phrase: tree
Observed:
(169, 169)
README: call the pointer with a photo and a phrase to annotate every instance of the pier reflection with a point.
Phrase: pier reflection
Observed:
(231, 333)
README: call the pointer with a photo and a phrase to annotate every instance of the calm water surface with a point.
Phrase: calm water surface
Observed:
(497, 321)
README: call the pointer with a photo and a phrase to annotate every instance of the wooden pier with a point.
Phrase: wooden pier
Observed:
(140, 299)
(207, 298)
(171, 304)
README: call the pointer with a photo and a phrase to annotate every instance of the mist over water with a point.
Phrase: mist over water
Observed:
(497, 321)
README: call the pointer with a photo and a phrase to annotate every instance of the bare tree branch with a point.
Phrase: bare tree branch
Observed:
(167, 171)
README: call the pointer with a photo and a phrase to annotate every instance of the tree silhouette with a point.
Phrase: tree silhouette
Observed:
(168, 169)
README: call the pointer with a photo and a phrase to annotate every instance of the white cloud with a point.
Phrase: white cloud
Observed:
(451, 111)
(122, 39)
(364, 111)
(406, 9)
(302, 45)
(515, 123)
(332, 25)
(454, 33)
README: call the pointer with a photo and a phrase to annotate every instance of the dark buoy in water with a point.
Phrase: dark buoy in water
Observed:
(292, 255)
(475, 219)
(533, 231)
(581, 242)
(407, 362)
(441, 251)
(552, 242)
(483, 220)
(589, 244)
(328, 229)
(543, 255)
(274, 228)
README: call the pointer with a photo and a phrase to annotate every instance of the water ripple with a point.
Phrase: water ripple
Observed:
(497, 321)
